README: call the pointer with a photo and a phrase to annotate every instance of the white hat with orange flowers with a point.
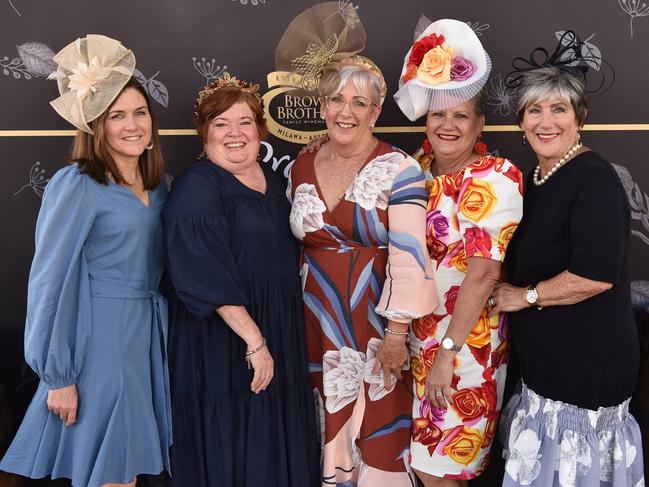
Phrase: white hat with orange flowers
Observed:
(445, 67)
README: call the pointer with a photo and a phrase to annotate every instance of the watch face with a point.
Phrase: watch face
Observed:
(531, 296)
(447, 343)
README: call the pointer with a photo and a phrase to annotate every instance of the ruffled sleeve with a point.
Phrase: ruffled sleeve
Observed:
(490, 206)
(58, 327)
(409, 291)
(200, 260)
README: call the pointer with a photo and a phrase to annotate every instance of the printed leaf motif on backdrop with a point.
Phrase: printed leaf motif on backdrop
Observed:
(37, 180)
(589, 50)
(639, 294)
(347, 10)
(14, 8)
(158, 92)
(15, 68)
(156, 89)
(634, 8)
(638, 202)
(422, 25)
(254, 3)
(137, 74)
(209, 69)
(477, 27)
(37, 58)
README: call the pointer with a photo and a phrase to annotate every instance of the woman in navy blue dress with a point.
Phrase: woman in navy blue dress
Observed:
(243, 411)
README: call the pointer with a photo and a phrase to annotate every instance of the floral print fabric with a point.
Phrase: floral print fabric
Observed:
(363, 261)
(552, 443)
(471, 213)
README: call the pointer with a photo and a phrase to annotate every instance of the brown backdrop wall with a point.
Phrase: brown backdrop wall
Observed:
(179, 45)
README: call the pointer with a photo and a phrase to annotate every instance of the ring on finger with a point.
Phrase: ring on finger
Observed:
(491, 302)
(438, 393)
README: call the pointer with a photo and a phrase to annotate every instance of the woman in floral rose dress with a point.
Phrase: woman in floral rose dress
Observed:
(459, 353)
(358, 206)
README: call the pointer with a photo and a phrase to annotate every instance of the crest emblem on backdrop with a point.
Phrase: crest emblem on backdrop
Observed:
(316, 38)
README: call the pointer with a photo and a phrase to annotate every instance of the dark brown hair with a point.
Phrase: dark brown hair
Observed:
(92, 155)
(221, 101)
(480, 101)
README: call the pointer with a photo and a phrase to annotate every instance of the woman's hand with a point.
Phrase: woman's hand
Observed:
(264, 367)
(507, 298)
(392, 355)
(438, 380)
(314, 144)
(63, 402)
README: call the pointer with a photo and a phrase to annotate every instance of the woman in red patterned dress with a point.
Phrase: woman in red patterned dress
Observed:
(459, 353)
(358, 206)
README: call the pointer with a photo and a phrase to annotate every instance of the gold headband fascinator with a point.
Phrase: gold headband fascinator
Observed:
(228, 81)
(91, 73)
(325, 36)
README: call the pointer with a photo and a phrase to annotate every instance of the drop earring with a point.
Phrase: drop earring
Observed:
(150, 146)
(524, 139)
(480, 147)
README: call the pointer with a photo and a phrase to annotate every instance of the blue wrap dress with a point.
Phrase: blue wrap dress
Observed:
(95, 319)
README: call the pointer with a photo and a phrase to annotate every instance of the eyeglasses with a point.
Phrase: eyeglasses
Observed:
(358, 106)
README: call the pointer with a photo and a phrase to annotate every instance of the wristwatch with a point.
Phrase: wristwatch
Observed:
(531, 295)
(449, 344)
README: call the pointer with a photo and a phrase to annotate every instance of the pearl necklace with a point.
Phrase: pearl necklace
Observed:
(562, 161)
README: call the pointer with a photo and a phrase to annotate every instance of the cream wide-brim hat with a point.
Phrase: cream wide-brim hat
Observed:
(92, 71)
(415, 98)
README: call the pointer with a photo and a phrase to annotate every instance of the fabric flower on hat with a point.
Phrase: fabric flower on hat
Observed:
(461, 69)
(91, 73)
(435, 68)
(85, 77)
(433, 61)
(422, 46)
(445, 67)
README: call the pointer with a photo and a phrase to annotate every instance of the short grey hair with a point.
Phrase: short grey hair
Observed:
(334, 80)
(543, 83)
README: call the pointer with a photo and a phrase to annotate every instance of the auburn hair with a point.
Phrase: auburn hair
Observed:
(221, 101)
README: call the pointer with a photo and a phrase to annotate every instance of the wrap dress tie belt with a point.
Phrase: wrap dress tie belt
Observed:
(103, 288)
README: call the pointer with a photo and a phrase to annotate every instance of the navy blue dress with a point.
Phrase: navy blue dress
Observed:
(230, 245)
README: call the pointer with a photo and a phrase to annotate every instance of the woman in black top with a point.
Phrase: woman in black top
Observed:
(568, 295)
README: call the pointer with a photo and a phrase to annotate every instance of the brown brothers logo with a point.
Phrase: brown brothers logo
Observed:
(292, 112)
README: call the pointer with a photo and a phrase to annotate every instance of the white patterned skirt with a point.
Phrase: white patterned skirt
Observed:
(551, 443)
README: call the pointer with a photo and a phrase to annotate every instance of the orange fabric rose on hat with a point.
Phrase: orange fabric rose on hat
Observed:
(435, 68)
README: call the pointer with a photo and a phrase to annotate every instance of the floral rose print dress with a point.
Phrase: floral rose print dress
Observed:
(471, 213)
(363, 261)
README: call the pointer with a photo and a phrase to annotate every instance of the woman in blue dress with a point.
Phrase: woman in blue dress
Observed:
(242, 405)
(96, 325)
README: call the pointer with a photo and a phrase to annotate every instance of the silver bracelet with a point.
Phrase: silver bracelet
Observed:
(254, 350)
